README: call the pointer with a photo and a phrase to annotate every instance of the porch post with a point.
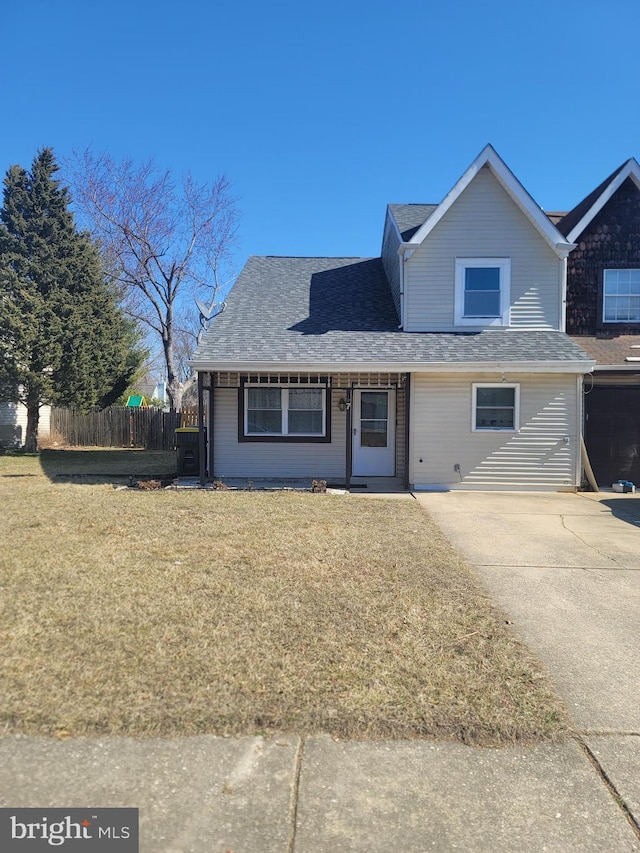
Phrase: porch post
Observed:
(211, 390)
(407, 410)
(349, 428)
(201, 439)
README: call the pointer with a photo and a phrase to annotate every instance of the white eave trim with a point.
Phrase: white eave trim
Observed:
(628, 367)
(397, 367)
(489, 157)
(631, 169)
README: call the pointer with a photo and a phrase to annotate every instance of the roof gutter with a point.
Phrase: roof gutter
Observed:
(572, 366)
(564, 248)
(407, 249)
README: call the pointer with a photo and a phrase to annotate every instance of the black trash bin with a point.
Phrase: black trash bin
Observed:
(188, 447)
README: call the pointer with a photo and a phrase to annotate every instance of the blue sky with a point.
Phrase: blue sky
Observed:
(322, 113)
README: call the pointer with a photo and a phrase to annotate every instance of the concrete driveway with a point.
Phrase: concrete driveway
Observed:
(566, 570)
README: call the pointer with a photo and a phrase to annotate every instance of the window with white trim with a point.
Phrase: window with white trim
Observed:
(482, 289)
(495, 407)
(293, 411)
(621, 296)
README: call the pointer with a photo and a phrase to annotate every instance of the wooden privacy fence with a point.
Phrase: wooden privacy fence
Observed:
(118, 426)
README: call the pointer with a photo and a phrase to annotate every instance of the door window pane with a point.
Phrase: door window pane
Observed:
(374, 404)
(373, 433)
(374, 413)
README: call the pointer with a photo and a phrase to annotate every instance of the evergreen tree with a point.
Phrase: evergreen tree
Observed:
(63, 338)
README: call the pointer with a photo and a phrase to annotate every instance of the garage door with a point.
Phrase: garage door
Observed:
(612, 433)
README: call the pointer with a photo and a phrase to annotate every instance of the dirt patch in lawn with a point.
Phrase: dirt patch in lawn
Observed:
(125, 612)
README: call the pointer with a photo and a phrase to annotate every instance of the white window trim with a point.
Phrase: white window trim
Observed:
(604, 298)
(504, 264)
(284, 401)
(516, 406)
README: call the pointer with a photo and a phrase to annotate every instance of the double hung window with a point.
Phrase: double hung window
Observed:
(482, 288)
(293, 411)
(621, 296)
(495, 407)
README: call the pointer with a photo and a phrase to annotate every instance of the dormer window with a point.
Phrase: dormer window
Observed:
(621, 296)
(482, 291)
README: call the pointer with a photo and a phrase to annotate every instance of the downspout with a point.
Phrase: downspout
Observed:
(564, 250)
(563, 295)
(583, 457)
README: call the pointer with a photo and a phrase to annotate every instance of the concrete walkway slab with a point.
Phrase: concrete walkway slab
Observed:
(619, 757)
(194, 794)
(573, 595)
(414, 797)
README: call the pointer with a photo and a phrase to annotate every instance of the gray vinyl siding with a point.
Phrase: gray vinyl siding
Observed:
(233, 458)
(483, 222)
(537, 456)
(289, 460)
(391, 259)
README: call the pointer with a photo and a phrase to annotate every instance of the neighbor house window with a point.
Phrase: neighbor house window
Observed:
(482, 291)
(294, 412)
(621, 296)
(495, 407)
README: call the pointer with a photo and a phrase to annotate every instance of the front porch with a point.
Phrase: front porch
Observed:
(350, 430)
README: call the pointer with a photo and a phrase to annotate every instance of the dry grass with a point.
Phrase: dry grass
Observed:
(167, 612)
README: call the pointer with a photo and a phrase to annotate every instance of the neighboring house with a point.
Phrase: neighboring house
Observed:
(603, 316)
(13, 424)
(442, 363)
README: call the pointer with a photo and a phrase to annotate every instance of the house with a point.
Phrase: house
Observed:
(442, 363)
(603, 316)
(13, 424)
(156, 391)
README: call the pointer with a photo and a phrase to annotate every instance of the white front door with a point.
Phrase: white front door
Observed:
(374, 422)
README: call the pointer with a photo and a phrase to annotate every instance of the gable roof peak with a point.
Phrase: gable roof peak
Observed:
(574, 223)
(490, 158)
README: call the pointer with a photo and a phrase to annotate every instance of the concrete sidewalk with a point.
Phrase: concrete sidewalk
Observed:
(216, 795)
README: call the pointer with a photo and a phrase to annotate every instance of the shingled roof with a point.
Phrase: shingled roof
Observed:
(610, 350)
(573, 217)
(409, 217)
(337, 313)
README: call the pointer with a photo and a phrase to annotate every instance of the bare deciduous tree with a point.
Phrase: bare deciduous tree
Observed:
(164, 242)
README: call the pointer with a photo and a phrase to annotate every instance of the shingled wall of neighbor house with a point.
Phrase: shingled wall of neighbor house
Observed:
(610, 241)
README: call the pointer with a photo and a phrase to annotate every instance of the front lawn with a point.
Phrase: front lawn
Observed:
(182, 612)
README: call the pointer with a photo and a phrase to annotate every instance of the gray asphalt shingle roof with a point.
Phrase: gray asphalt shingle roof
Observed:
(409, 217)
(339, 311)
